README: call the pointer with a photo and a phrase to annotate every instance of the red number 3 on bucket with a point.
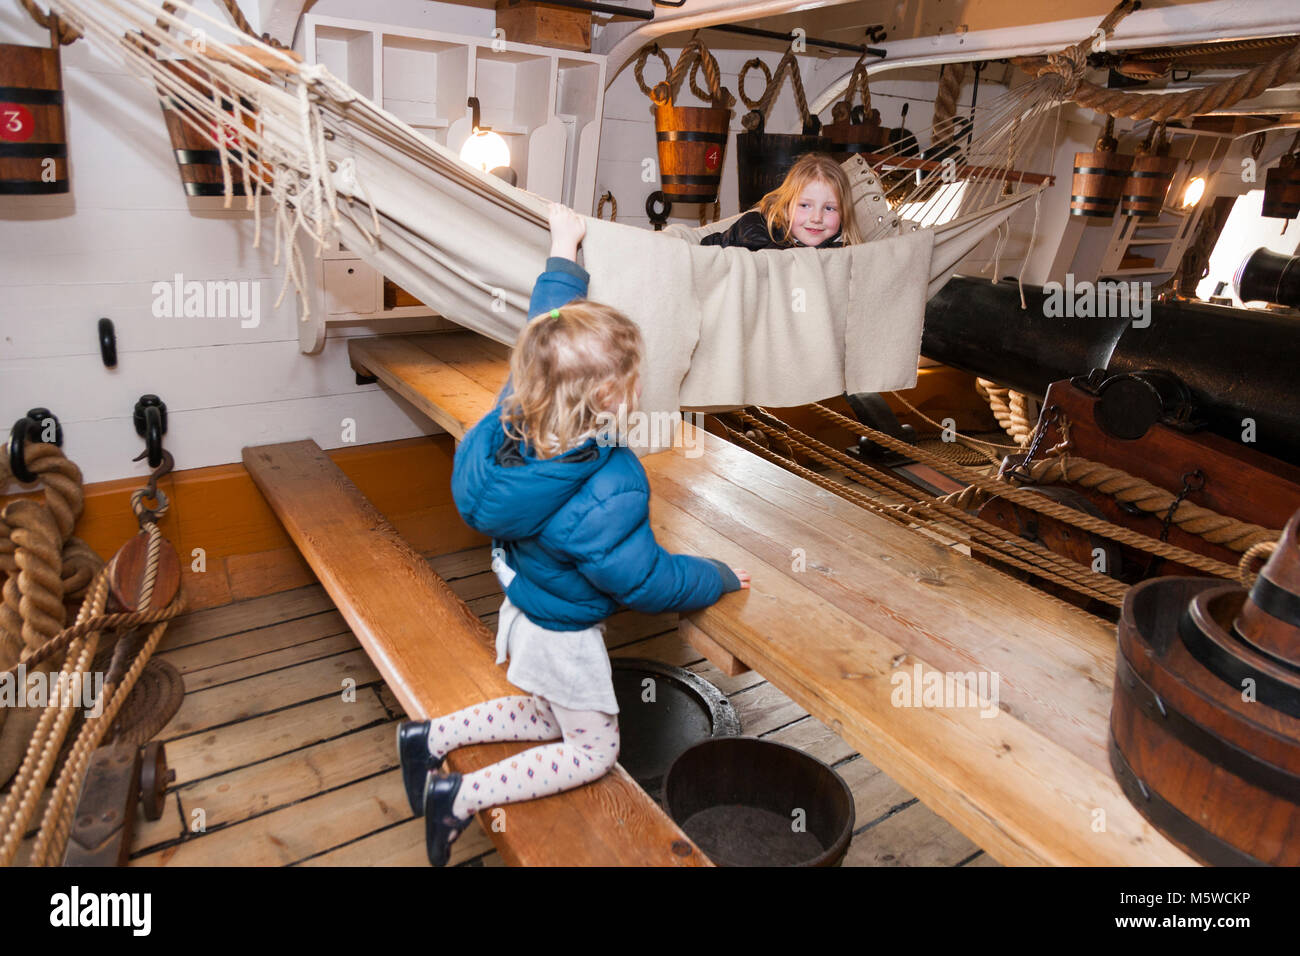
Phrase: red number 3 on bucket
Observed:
(16, 123)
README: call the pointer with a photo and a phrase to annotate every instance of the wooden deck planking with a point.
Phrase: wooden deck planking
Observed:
(315, 783)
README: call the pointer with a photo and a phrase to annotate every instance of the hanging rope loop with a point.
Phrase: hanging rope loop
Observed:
(639, 69)
(755, 63)
(695, 55)
(755, 120)
(60, 30)
(613, 206)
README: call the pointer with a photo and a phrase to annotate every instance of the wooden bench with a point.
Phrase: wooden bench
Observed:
(438, 657)
(846, 609)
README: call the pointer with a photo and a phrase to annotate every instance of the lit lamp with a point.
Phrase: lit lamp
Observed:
(484, 148)
(1193, 193)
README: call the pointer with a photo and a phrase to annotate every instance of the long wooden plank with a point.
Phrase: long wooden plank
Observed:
(415, 374)
(436, 657)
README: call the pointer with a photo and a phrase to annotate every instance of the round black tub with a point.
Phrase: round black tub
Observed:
(751, 802)
(662, 711)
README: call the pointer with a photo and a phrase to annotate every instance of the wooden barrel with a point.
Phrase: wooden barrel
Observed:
(1205, 731)
(856, 135)
(196, 154)
(33, 143)
(1146, 185)
(763, 159)
(692, 142)
(1099, 179)
(1282, 191)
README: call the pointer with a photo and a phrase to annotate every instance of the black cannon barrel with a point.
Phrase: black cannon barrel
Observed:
(1267, 276)
(1238, 364)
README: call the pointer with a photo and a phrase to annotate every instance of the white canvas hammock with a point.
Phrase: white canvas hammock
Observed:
(723, 327)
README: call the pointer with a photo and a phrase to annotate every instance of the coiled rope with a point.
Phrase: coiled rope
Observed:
(1036, 502)
(37, 583)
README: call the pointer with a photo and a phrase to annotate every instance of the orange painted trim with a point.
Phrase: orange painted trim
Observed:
(219, 519)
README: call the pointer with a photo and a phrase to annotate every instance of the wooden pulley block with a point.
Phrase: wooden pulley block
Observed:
(154, 778)
(127, 572)
(1081, 547)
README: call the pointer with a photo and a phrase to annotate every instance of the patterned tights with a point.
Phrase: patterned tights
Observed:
(587, 752)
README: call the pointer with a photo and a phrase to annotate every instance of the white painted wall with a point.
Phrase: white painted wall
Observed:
(65, 261)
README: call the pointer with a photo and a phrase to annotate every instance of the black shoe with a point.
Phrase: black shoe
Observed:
(441, 826)
(413, 752)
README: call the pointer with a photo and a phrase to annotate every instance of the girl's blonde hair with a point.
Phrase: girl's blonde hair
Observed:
(570, 365)
(778, 205)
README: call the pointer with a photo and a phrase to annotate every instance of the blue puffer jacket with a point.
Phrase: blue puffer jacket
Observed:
(576, 528)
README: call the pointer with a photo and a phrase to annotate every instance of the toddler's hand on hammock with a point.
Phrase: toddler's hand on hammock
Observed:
(567, 230)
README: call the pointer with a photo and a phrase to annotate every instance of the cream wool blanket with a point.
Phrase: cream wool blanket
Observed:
(729, 327)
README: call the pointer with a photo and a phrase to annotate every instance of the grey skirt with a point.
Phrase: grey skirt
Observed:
(569, 668)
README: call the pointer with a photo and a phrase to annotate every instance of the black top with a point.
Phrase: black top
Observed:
(750, 232)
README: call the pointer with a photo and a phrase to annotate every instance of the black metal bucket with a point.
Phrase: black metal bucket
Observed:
(663, 710)
(751, 802)
(763, 159)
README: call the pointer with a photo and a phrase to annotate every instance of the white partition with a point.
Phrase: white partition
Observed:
(546, 103)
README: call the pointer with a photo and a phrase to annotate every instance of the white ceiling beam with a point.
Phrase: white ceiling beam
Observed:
(696, 15)
(1212, 21)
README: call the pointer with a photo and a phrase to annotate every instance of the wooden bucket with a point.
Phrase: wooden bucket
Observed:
(858, 134)
(196, 156)
(763, 159)
(33, 143)
(692, 141)
(1282, 190)
(1099, 179)
(1147, 183)
(1205, 730)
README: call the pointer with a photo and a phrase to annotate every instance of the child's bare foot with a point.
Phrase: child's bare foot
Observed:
(743, 576)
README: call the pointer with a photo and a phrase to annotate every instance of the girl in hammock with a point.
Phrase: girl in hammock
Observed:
(569, 518)
(812, 207)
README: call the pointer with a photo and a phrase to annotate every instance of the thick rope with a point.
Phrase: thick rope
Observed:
(1072, 63)
(607, 196)
(788, 65)
(59, 28)
(842, 112)
(753, 64)
(695, 55)
(1036, 502)
(984, 536)
(35, 531)
(1127, 489)
(895, 515)
(1256, 554)
(1009, 407)
(945, 101)
(638, 70)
